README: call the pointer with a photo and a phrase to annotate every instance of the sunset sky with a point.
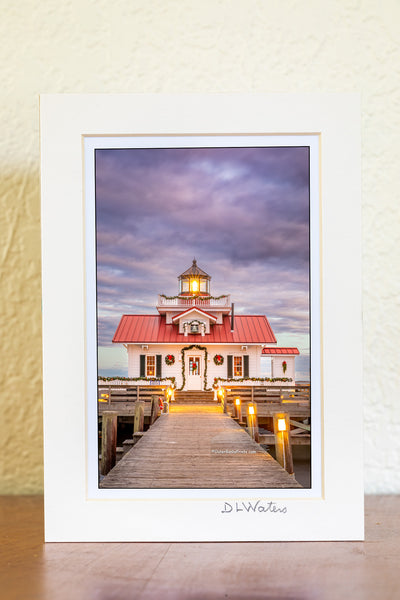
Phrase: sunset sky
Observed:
(243, 213)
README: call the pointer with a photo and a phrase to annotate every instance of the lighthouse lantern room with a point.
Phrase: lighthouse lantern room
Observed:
(194, 281)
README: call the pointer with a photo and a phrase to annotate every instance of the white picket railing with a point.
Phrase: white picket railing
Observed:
(196, 301)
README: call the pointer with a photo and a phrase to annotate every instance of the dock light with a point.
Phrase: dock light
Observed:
(281, 424)
(221, 393)
(252, 422)
(105, 395)
(238, 409)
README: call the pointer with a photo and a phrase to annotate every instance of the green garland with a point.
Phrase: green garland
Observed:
(194, 296)
(173, 379)
(269, 379)
(205, 367)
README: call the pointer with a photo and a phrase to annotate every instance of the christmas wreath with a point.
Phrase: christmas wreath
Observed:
(218, 359)
(284, 366)
(170, 359)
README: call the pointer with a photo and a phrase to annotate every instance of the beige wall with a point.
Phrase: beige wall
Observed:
(196, 46)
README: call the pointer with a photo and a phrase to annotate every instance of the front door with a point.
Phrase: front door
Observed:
(194, 378)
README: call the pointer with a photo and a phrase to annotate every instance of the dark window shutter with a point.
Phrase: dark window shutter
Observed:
(142, 365)
(158, 365)
(230, 369)
(246, 365)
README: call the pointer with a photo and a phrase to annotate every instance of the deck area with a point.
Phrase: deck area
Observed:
(197, 446)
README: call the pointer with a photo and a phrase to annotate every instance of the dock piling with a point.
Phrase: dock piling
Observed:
(238, 409)
(108, 441)
(283, 447)
(252, 421)
(138, 422)
(155, 407)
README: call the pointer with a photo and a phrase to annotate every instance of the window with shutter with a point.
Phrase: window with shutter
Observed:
(237, 366)
(150, 366)
(246, 365)
(229, 364)
(142, 365)
(158, 371)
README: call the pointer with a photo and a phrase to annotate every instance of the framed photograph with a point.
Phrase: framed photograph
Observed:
(202, 317)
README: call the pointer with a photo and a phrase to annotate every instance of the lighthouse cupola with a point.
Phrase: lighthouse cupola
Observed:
(194, 281)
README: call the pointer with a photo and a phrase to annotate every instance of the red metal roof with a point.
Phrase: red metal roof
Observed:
(152, 329)
(280, 351)
(188, 310)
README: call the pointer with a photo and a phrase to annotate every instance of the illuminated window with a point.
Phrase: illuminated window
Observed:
(150, 366)
(194, 327)
(184, 286)
(194, 365)
(238, 366)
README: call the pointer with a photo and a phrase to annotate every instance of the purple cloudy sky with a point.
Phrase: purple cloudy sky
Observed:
(242, 212)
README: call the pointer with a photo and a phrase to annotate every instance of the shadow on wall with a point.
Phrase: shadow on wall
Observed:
(21, 445)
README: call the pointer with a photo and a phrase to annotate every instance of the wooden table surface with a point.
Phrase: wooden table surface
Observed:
(29, 569)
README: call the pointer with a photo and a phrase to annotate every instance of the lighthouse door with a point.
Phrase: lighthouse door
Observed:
(194, 377)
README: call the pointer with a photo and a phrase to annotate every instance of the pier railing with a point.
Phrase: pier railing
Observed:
(286, 394)
(122, 398)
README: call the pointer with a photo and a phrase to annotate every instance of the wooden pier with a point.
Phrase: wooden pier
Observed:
(197, 446)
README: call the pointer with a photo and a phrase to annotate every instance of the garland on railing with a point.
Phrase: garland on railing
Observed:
(241, 379)
(173, 379)
(194, 296)
(205, 365)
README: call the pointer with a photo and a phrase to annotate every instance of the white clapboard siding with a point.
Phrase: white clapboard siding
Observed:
(213, 370)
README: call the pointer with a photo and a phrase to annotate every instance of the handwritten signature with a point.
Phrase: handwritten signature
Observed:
(261, 506)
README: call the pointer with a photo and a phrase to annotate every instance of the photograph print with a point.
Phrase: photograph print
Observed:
(203, 317)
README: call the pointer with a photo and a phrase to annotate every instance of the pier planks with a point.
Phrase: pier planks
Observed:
(197, 446)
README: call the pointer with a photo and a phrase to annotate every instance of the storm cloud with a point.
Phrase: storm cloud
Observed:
(243, 213)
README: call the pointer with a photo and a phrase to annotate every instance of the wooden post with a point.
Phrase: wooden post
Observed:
(224, 400)
(238, 409)
(108, 441)
(127, 445)
(252, 421)
(137, 393)
(155, 407)
(283, 447)
(138, 421)
(109, 395)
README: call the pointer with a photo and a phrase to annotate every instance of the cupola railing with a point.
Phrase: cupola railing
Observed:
(179, 301)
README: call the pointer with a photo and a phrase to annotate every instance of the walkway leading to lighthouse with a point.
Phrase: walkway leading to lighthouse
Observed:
(197, 446)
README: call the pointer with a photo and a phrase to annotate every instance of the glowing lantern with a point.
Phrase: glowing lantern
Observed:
(281, 424)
